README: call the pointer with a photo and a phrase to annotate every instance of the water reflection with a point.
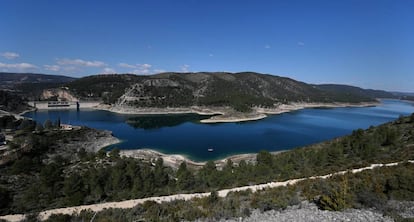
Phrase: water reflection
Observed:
(159, 121)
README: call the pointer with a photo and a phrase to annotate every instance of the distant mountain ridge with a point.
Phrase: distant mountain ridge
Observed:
(241, 91)
(404, 95)
(345, 90)
(10, 80)
(238, 90)
(30, 86)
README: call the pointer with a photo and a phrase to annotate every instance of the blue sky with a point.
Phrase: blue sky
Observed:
(367, 43)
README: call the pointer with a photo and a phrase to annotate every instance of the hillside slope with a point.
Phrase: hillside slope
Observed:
(34, 182)
(241, 91)
(356, 93)
(30, 86)
(10, 80)
(11, 102)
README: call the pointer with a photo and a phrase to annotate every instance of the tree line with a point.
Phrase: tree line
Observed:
(47, 182)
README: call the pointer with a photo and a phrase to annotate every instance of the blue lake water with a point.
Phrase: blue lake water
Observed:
(183, 134)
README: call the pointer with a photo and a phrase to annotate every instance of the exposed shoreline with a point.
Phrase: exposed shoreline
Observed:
(235, 118)
(227, 114)
(174, 160)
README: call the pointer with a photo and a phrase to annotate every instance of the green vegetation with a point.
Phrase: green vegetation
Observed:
(106, 87)
(344, 93)
(368, 189)
(28, 86)
(38, 180)
(241, 91)
(11, 102)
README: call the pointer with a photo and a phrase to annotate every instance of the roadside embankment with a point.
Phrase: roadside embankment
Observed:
(127, 204)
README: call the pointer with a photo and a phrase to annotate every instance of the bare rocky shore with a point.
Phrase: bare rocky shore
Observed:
(174, 160)
(227, 114)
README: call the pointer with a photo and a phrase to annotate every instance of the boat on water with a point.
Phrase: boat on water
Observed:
(210, 149)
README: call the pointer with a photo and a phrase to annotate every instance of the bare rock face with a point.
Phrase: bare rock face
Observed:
(60, 94)
(309, 212)
(403, 208)
(160, 83)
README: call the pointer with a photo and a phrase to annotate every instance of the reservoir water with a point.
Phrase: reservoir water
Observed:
(183, 134)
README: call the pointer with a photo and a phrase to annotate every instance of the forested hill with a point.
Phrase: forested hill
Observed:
(242, 91)
(239, 90)
(28, 86)
(345, 91)
(11, 102)
(9, 80)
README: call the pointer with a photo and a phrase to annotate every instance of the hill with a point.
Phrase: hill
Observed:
(10, 80)
(11, 102)
(30, 86)
(241, 91)
(237, 96)
(345, 92)
(106, 87)
(404, 95)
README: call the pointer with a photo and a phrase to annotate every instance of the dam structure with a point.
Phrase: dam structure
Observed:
(63, 104)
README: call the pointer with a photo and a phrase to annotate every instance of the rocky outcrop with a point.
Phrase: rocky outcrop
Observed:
(403, 208)
(309, 212)
(91, 140)
(60, 94)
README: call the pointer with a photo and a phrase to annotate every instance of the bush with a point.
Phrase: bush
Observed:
(59, 218)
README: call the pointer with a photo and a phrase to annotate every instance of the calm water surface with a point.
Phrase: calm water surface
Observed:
(183, 134)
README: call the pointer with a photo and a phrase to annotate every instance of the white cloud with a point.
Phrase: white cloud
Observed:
(136, 66)
(145, 66)
(301, 44)
(80, 62)
(185, 68)
(143, 69)
(52, 67)
(159, 70)
(267, 47)
(9, 55)
(108, 70)
(17, 66)
(140, 69)
(126, 65)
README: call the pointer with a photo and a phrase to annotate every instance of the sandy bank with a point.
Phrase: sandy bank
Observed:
(235, 118)
(227, 114)
(261, 113)
(283, 108)
(164, 111)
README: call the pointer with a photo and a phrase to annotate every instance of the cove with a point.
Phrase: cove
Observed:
(183, 134)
